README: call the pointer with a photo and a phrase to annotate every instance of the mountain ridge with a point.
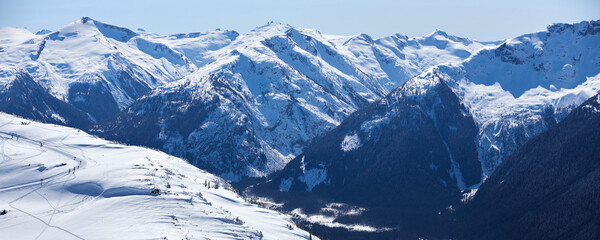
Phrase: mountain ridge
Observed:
(284, 85)
(480, 129)
(546, 188)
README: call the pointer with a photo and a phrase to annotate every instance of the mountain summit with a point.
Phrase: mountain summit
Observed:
(96, 67)
(267, 93)
(411, 156)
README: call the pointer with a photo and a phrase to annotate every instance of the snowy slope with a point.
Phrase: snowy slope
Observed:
(269, 92)
(27, 98)
(196, 46)
(250, 112)
(402, 160)
(393, 60)
(61, 183)
(264, 94)
(546, 189)
(513, 91)
(526, 85)
(520, 88)
(442, 133)
(96, 67)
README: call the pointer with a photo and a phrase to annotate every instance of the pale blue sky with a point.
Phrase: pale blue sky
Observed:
(477, 19)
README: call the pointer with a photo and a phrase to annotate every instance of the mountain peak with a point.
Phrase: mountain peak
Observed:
(111, 31)
(83, 22)
(43, 32)
(360, 37)
(274, 25)
(12, 35)
(401, 36)
(439, 32)
(366, 37)
(272, 28)
(582, 28)
(85, 19)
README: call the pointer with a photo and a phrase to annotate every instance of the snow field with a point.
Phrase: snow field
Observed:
(61, 183)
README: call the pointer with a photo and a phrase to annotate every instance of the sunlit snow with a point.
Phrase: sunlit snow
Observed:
(61, 183)
(351, 142)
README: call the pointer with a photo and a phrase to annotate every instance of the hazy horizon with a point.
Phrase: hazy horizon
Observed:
(488, 21)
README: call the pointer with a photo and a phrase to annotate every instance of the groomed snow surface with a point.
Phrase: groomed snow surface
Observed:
(61, 183)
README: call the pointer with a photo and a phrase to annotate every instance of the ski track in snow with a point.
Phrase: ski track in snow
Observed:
(48, 209)
(56, 177)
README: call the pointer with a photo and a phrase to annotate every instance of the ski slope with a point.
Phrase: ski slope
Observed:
(61, 183)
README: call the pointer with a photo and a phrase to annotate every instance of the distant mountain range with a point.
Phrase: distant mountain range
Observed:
(98, 68)
(410, 157)
(251, 104)
(389, 136)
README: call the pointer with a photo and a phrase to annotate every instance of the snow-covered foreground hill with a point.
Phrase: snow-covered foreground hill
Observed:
(61, 183)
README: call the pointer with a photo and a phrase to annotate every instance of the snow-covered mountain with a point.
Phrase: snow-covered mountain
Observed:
(402, 160)
(279, 86)
(446, 130)
(61, 183)
(271, 91)
(196, 46)
(25, 97)
(546, 189)
(96, 67)
(527, 84)
(395, 59)
(516, 90)
(363, 129)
